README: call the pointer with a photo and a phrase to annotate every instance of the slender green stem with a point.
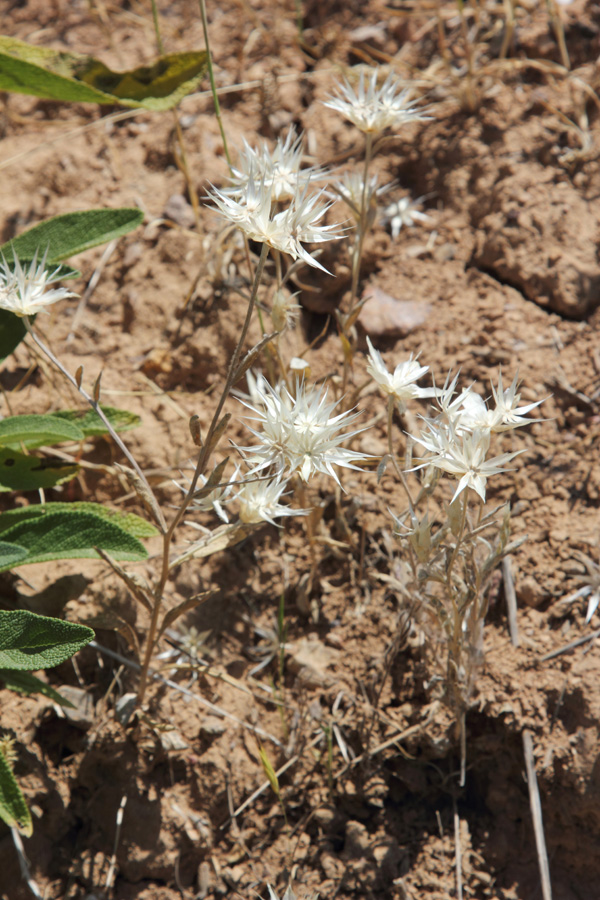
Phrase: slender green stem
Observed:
(159, 42)
(211, 76)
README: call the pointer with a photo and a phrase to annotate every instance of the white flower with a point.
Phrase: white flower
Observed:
(473, 414)
(215, 499)
(279, 169)
(374, 109)
(404, 212)
(300, 434)
(351, 188)
(286, 230)
(401, 384)
(25, 292)
(508, 414)
(463, 454)
(285, 312)
(259, 502)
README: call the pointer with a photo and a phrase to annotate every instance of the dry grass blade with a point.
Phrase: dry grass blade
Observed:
(511, 601)
(536, 815)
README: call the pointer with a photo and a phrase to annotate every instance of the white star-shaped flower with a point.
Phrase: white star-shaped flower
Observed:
(25, 291)
(373, 110)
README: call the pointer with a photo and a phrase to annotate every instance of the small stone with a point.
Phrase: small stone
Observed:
(385, 316)
(179, 211)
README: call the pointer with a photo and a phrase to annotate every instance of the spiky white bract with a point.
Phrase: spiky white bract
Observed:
(286, 230)
(403, 213)
(463, 454)
(351, 188)
(300, 434)
(280, 168)
(25, 291)
(259, 502)
(375, 109)
(401, 384)
(216, 499)
(508, 413)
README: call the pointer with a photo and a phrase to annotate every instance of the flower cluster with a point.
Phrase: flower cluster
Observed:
(253, 201)
(456, 439)
(375, 109)
(279, 169)
(25, 291)
(299, 434)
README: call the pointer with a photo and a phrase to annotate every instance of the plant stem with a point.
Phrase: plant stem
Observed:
(201, 465)
(211, 76)
(363, 223)
(99, 412)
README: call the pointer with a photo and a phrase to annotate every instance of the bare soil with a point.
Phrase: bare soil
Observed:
(507, 274)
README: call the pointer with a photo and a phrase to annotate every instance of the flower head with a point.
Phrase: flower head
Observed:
(287, 230)
(508, 413)
(299, 434)
(279, 168)
(404, 212)
(25, 292)
(259, 502)
(373, 109)
(402, 383)
(463, 454)
(351, 188)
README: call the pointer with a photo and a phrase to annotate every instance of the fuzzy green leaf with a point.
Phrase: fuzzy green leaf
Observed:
(129, 522)
(11, 555)
(13, 809)
(71, 233)
(12, 332)
(26, 683)
(37, 431)
(74, 78)
(19, 472)
(29, 641)
(92, 425)
(70, 534)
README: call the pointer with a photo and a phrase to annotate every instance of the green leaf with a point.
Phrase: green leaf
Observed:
(92, 425)
(19, 472)
(29, 641)
(11, 554)
(13, 809)
(72, 233)
(26, 683)
(12, 332)
(37, 431)
(71, 534)
(129, 522)
(72, 77)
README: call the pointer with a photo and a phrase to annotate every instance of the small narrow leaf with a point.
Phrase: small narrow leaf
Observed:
(29, 641)
(37, 431)
(269, 771)
(92, 425)
(13, 809)
(26, 683)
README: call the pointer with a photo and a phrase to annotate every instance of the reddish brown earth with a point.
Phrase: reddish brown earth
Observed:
(506, 273)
